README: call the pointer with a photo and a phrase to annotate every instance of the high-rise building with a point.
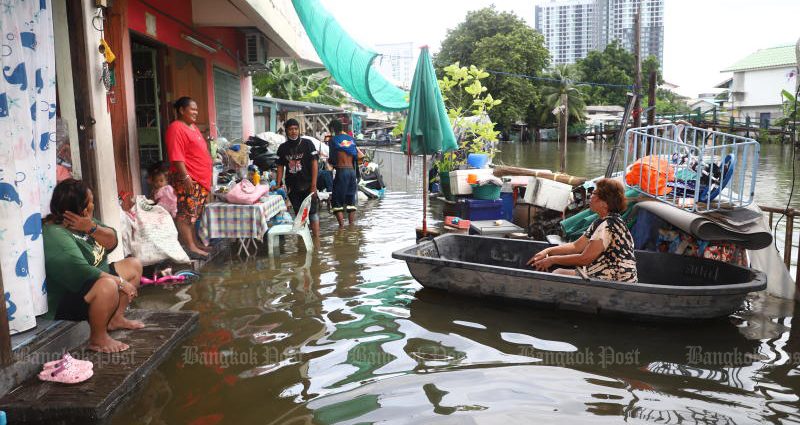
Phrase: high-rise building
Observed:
(397, 62)
(569, 28)
(572, 28)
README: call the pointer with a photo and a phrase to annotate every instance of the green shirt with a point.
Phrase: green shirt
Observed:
(70, 260)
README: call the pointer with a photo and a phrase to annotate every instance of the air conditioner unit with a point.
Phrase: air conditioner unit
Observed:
(255, 48)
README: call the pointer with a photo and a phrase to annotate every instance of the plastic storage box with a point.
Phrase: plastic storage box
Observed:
(548, 194)
(508, 205)
(479, 209)
(458, 180)
(496, 228)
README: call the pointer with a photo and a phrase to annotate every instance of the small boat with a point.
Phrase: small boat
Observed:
(671, 287)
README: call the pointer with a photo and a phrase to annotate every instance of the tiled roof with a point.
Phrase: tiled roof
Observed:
(766, 58)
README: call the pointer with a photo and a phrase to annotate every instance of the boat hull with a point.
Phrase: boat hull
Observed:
(686, 288)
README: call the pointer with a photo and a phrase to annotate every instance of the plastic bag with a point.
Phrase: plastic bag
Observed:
(154, 237)
(651, 174)
(245, 193)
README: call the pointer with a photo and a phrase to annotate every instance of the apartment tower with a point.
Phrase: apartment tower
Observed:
(572, 28)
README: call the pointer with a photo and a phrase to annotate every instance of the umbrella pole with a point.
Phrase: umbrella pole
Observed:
(424, 195)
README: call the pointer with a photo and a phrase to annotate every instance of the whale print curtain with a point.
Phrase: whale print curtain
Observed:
(27, 154)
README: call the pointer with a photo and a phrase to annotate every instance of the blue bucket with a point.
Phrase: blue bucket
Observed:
(477, 160)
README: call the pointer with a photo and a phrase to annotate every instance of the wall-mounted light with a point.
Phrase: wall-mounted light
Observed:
(198, 43)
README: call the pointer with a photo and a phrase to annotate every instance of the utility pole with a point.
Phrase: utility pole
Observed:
(651, 108)
(637, 64)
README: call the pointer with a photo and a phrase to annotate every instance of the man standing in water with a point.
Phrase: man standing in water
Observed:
(344, 157)
(298, 161)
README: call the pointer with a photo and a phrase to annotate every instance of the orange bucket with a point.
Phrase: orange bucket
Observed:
(472, 178)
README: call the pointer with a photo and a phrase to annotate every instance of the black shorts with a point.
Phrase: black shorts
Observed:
(296, 197)
(73, 306)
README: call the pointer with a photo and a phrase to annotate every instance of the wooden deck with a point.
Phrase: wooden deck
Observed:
(116, 376)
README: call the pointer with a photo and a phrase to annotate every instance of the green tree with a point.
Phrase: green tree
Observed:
(498, 41)
(564, 100)
(287, 81)
(565, 84)
(669, 102)
(614, 65)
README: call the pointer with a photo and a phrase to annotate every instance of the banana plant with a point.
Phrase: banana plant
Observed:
(288, 81)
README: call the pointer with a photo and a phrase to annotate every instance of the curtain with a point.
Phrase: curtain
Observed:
(28, 159)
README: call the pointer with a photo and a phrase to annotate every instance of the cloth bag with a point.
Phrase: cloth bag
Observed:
(154, 238)
(245, 193)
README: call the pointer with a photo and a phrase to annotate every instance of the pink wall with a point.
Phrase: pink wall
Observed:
(168, 32)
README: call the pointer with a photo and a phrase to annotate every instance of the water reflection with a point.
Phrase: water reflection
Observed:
(345, 335)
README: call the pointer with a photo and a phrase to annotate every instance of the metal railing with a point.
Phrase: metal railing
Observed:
(692, 168)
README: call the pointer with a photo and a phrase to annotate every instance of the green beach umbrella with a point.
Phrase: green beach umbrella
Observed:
(428, 128)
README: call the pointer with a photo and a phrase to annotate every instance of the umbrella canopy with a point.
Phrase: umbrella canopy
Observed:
(428, 128)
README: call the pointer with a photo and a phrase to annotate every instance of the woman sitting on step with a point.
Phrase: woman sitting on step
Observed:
(605, 250)
(81, 284)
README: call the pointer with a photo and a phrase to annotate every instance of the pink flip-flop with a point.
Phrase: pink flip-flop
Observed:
(85, 364)
(161, 280)
(66, 373)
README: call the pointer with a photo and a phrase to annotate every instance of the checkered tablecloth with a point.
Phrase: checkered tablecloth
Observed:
(230, 221)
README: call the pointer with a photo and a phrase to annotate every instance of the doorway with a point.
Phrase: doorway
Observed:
(147, 105)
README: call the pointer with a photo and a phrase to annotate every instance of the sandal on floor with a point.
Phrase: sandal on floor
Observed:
(66, 373)
(84, 364)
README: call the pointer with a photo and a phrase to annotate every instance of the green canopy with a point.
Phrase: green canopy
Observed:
(428, 126)
(348, 62)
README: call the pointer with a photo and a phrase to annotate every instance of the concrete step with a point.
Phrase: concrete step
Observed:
(116, 376)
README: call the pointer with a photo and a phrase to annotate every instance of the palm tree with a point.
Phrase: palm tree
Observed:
(287, 81)
(563, 99)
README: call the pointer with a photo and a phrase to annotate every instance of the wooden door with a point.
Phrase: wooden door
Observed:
(188, 78)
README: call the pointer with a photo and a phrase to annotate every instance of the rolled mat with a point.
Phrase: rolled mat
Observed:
(753, 235)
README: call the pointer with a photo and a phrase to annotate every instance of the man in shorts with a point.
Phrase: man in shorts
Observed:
(344, 157)
(298, 165)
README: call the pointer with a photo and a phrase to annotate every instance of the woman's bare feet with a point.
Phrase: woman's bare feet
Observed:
(107, 345)
(124, 323)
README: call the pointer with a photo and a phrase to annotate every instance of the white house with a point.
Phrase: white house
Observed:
(704, 104)
(758, 80)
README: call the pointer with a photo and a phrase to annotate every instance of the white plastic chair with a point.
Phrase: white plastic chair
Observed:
(299, 227)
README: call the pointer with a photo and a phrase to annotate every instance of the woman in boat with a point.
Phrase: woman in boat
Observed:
(605, 250)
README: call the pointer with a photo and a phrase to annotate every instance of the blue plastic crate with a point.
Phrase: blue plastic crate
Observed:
(508, 205)
(480, 209)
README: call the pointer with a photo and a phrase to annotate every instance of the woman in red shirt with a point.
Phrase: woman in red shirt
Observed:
(191, 172)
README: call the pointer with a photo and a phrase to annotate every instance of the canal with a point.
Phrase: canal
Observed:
(346, 336)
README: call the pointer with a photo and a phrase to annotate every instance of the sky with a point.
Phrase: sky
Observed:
(701, 37)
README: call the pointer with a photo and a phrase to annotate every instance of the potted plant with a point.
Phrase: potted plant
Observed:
(445, 165)
(468, 105)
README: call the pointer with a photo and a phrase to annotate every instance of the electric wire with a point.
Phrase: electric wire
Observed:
(556, 80)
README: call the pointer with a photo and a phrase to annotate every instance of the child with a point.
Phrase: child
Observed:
(162, 192)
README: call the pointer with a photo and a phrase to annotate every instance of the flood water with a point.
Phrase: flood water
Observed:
(346, 336)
